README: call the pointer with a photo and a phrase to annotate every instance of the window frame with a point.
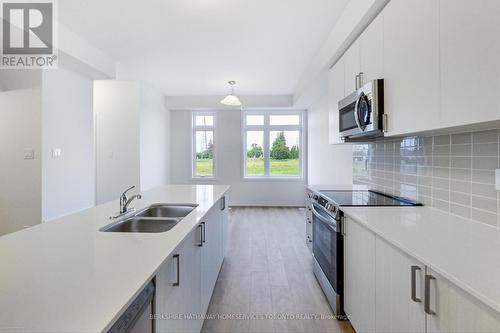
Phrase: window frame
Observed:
(267, 128)
(195, 128)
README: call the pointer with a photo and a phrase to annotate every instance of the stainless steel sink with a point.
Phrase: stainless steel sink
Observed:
(167, 210)
(142, 224)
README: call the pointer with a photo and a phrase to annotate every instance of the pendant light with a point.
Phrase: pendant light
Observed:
(231, 99)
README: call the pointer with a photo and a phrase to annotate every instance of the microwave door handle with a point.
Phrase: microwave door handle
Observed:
(356, 113)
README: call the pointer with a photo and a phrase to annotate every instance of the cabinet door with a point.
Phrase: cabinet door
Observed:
(210, 255)
(336, 83)
(225, 227)
(411, 65)
(169, 297)
(371, 50)
(470, 70)
(456, 310)
(359, 275)
(352, 63)
(190, 279)
(178, 284)
(399, 278)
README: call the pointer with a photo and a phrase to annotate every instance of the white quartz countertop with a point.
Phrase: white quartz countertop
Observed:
(466, 253)
(67, 276)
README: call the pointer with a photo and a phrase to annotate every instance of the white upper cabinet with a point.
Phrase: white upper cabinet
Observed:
(371, 50)
(352, 65)
(470, 66)
(335, 93)
(411, 65)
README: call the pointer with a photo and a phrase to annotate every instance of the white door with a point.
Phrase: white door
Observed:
(359, 275)
(451, 309)
(470, 70)
(411, 65)
(336, 83)
(399, 291)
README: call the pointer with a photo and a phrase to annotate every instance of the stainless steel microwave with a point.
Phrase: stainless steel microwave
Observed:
(361, 114)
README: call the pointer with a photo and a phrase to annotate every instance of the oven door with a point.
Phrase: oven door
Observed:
(328, 246)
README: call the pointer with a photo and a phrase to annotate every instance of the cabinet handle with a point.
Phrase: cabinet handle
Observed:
(201, 234)
(204, 232)
(414, 297)
(178, 260)
(427, 305)
(223, 203)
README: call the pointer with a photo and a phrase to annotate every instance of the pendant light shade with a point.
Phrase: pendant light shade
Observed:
(231, 99)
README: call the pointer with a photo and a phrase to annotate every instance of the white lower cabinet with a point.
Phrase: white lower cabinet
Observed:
(211, 254)
(225, 226)
(386, 290)
(186, 280)
(399, 290)
(455, 310)
(359, 276)
(178, 289)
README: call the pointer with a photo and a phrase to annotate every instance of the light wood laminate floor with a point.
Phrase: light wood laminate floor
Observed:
(268, 271)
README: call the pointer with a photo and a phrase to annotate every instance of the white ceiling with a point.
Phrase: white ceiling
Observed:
(193, 47)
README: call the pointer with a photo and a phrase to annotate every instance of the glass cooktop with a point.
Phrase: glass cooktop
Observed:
(366, 198)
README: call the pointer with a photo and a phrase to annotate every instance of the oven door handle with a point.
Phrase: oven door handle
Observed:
(324, 219)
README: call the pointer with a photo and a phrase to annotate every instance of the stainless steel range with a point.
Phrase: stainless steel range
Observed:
(328, 236)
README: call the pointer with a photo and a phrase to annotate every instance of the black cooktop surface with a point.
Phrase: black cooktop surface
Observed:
(366, 198)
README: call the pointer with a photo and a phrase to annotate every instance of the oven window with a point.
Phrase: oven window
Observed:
(327, 251)
(347, 120)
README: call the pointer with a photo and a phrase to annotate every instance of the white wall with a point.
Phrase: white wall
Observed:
(228, 150)
(155, 139)
(14, 79)
(68, 124)
(20, 179)
(327, 164)
(116, 108)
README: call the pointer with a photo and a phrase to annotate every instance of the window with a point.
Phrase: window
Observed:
(203, 145)
(273, 144)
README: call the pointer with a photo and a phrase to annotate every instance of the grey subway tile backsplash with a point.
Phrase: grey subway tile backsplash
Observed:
(485, 136)
(453, 173)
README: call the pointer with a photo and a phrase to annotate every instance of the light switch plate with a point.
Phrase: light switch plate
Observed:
(56, 152)
(29, 153)
(497, 179)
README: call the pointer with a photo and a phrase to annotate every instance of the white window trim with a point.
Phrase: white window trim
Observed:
(194, 129)
(267, 128)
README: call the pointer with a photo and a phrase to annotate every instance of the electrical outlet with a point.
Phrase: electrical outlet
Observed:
(497, 179)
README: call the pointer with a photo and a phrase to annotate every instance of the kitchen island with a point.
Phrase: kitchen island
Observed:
(67, 276)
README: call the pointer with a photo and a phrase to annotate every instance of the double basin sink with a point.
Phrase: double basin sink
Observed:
(153, 219)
